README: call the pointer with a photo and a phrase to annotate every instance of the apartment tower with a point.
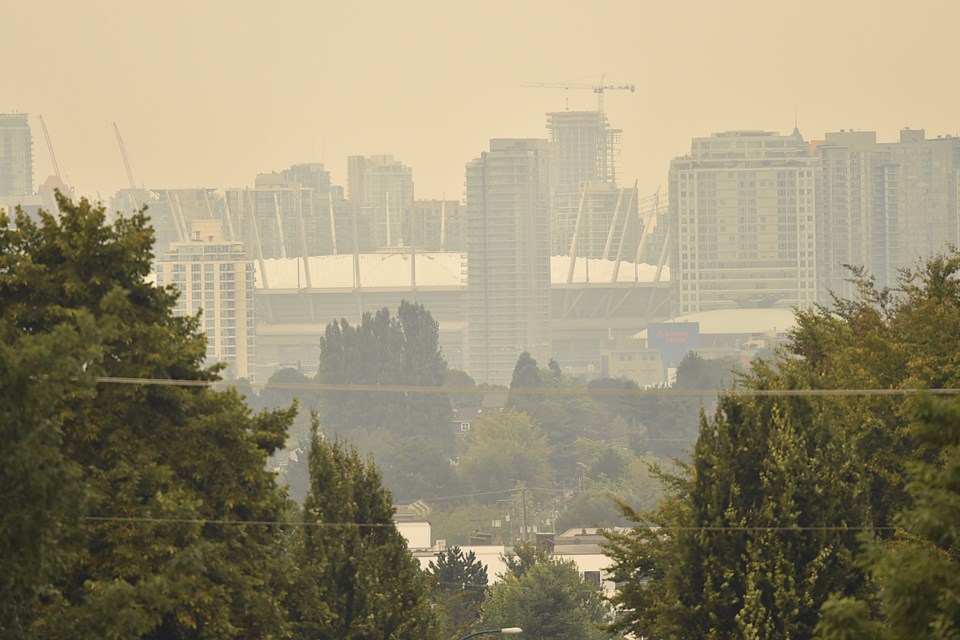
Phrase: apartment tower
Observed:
(508, 257)
(742, 222)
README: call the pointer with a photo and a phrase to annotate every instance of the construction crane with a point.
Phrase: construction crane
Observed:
(53, 156)
(126, 160)
(598, 89)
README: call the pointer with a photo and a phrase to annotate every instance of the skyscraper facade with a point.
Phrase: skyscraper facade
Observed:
(884, 206)
(16, 155)
(585, 148)
(380, 190)
(214, 276)
(508, 257)
(857, 214)
(742, 222)
(927, 199)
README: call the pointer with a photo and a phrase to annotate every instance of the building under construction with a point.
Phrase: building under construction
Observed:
(585, 149)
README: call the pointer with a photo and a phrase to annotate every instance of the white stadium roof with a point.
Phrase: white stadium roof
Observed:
(433, 269)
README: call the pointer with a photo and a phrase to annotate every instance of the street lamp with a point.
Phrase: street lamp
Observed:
(509, 631)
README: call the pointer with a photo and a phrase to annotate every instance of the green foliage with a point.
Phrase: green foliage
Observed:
(357, 579)
(401, 351)
(140, 456)
(384, 350)
(523, 556)
(413, 466)
(917, 571)
(548, 601)
(755, 540)
(41, 496)
(564, 410)
(460, 583)
(508, 449)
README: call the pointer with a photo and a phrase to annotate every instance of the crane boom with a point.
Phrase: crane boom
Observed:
(598, 89)
(126, 160)
(53, 156)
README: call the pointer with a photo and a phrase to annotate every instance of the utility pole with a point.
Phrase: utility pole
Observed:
(523, 501)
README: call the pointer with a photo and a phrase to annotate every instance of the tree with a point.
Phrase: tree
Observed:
(384, 350)
(758, 530)
(357, 579)
(508, 449)
(549, 601)
(461, 581)
(916, 572)
(40, 493)
(400, 351)
(164, 470)
(523, 556)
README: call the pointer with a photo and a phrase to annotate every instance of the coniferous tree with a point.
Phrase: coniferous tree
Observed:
(759, 530)
(917, 571)
(356, 579)
(460, 583)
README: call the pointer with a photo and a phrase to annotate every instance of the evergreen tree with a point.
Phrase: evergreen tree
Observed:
(461, 581)
(356, 579)
(917, 571)
(524, 555)
(758, 530)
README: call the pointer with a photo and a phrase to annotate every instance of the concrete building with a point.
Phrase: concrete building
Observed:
(438, 225)
(585, 149)
(380, 191)
(215, 277)
(16, 155)
(884, 206)
(742, 222)
(857, 217)
(508, 257)
(650, 356)
(282, 217)
(928, 203)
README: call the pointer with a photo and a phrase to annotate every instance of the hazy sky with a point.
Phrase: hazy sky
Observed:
(208, 93)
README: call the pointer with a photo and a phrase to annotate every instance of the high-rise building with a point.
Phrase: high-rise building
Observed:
(16, 155)
(857, 218)
(928, 203)
(742, 222)
(213, 275)
(291, 213)
(508, 257)
(884, 206)
(380, 190)
(437, 225)
(585, 149)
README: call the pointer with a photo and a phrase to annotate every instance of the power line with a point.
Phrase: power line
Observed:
(219, 521)
(544, 391)
(653, 528)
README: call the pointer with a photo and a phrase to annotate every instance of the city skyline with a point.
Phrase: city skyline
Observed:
(213, 95)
